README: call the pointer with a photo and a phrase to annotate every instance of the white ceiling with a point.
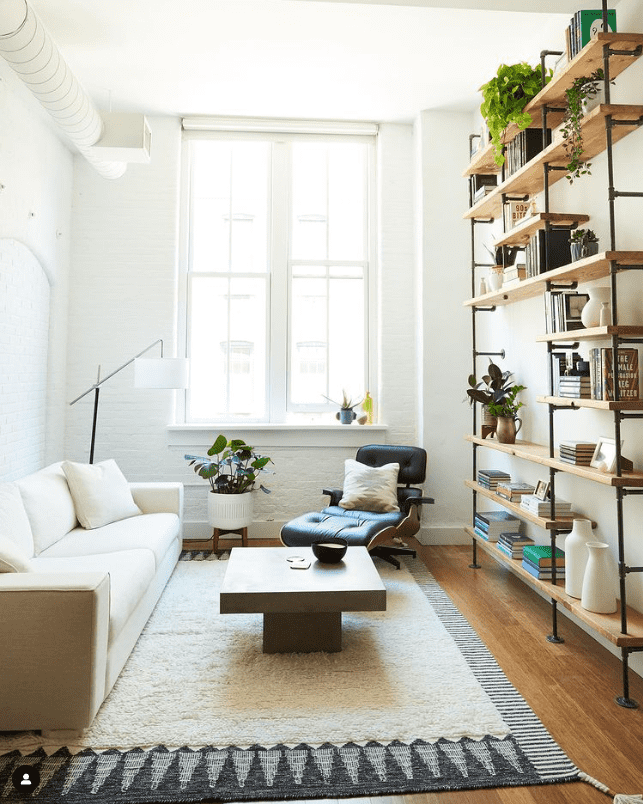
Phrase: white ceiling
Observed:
(321, 59)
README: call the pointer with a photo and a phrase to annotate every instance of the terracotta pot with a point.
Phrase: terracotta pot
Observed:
(506, 429)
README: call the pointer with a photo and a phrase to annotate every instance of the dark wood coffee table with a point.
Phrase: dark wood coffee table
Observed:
(302, 608)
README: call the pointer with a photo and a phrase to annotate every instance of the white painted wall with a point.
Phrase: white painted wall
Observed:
(514, 327)
(35, 214)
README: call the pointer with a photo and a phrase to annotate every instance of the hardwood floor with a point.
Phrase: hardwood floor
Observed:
(571, 687)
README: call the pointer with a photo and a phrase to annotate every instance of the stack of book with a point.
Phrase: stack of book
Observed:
(601, 374)
(482, 184)
(538, 259)
(513, 492)
(490, 524)
(489, 478)
(583, 24)
(575, 386)
(512, 544)
(536, 559)
(513, 273)
(542, 508)
(577, 452)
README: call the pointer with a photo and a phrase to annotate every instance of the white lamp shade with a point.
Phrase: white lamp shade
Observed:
(162, 372)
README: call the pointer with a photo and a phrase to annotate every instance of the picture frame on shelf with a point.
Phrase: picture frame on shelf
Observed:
(542, 489)
(604, 457)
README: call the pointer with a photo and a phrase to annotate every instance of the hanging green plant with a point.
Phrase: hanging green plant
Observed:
(505, 97)
(584, 88)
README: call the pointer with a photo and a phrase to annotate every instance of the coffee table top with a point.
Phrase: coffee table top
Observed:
(259, 579)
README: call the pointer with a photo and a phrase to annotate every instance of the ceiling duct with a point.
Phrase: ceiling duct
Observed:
(32, 54)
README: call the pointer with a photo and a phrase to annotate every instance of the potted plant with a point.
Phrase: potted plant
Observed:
(345, 414)
(505, 96)
(506, 412)
(232, 469)
(584, 243)
(494, 387)
(584, 89)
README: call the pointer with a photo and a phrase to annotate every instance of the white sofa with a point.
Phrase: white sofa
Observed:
(73, 601)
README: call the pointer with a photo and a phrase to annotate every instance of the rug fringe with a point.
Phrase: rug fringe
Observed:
(619, 798)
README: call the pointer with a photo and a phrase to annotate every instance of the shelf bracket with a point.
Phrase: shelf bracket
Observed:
(491, 354)
(636, 52)
(485, 309)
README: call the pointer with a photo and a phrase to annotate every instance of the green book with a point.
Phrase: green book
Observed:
(589, 21)
(541, 555)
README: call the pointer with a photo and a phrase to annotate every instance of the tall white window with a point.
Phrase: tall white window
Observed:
(279, 231)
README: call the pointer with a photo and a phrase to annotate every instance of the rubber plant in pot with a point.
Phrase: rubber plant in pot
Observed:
(504, 98)
(494, 388)
(232, 468)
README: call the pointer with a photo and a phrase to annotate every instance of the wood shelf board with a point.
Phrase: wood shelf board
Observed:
(539, 453)
(599, 404)
(529, 180)
(562, 523)
(584, 63)
(585, 270)
(519, 235)
(607, 625)
(592, 333)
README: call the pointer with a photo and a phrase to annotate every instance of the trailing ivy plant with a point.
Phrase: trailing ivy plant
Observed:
(584, 88)
(505, 97)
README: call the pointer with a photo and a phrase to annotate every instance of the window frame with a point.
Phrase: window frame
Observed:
(280, 263)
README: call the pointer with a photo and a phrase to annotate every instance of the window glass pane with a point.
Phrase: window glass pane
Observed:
(346, 347)
(309, 342)
(227, 333)
(346, 202)
(310, 201)
(229, 220)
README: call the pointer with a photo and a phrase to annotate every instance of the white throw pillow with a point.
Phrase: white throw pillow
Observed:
(370, 488)
(14, 522)
(100, 492)
(12, 557)
(49, 506)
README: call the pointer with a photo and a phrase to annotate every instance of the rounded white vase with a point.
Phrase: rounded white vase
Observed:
(230, 510)
(599, 583)
(591, 312)
(576, 556)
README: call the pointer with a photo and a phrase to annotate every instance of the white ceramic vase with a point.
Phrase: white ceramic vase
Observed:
(576, 556)
(230, 510)
(599, 583)
(591, 312)
(494, 280)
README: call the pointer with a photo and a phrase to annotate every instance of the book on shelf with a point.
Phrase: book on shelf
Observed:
(489, 478)
(577, 452)
(542, 508)
(583, 25)
(514, 272)
(563, 310)
(514, 491)
(515, 211)
(490, 524)
(526, 145)
(540, 259)
(540, 555)
(601, 374)
(542, 574)
(512, 544)
(482, 184)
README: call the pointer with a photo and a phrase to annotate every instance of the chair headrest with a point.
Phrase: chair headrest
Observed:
(412, 460)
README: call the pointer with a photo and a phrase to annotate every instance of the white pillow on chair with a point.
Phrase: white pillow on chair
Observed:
(100, 492)
(370, 488)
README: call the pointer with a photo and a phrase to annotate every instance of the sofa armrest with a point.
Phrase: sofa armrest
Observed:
(53, 649)
(159, 498)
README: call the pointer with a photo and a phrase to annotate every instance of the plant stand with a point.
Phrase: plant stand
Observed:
(243, 532)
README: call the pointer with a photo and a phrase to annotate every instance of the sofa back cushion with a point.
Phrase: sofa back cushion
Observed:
(100, 492)
(14, 524)
(48, 504)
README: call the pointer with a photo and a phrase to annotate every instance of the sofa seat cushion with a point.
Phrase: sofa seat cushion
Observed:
(130, 574)
(154, 532)
(48, 504)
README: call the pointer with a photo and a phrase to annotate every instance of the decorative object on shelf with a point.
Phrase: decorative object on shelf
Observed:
(232, 475)
(495, 278)
(591, 312)
(576, 556)
(604, 457)
(506, 429)
(498, 394)
(583, 88)
(482, 289)
(599, 582)
(345, 414)
(583, 243)
(505, 96)
(368, 406)
(605, 317)
(506, 410)
(542, 489)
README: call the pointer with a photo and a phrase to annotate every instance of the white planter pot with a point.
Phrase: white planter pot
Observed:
(230, 510)
(576, 556)
(599, 583)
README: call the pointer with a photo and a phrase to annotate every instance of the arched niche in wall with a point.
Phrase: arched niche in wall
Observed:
(24, 346)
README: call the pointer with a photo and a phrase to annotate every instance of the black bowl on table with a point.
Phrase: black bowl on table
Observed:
(330, 551)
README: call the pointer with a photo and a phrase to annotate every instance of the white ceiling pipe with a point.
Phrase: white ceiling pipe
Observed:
(30, 51)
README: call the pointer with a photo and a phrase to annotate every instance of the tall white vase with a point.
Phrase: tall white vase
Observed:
(576, 556)
(591, 313)
(599, 583)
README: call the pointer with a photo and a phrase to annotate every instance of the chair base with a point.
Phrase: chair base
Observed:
(386, 552)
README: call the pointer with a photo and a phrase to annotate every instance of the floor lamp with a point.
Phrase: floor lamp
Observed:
(160, 372)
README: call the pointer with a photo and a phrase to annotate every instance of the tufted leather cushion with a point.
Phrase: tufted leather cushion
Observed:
(312, 527)
(412, 460)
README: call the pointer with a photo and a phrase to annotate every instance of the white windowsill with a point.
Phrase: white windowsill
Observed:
(280, 435)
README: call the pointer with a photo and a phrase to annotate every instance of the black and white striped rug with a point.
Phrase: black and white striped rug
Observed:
(527, 755)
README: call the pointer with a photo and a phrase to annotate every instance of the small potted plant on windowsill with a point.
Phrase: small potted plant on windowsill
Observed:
(346, 413)
(232, 469)
(583, 243)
